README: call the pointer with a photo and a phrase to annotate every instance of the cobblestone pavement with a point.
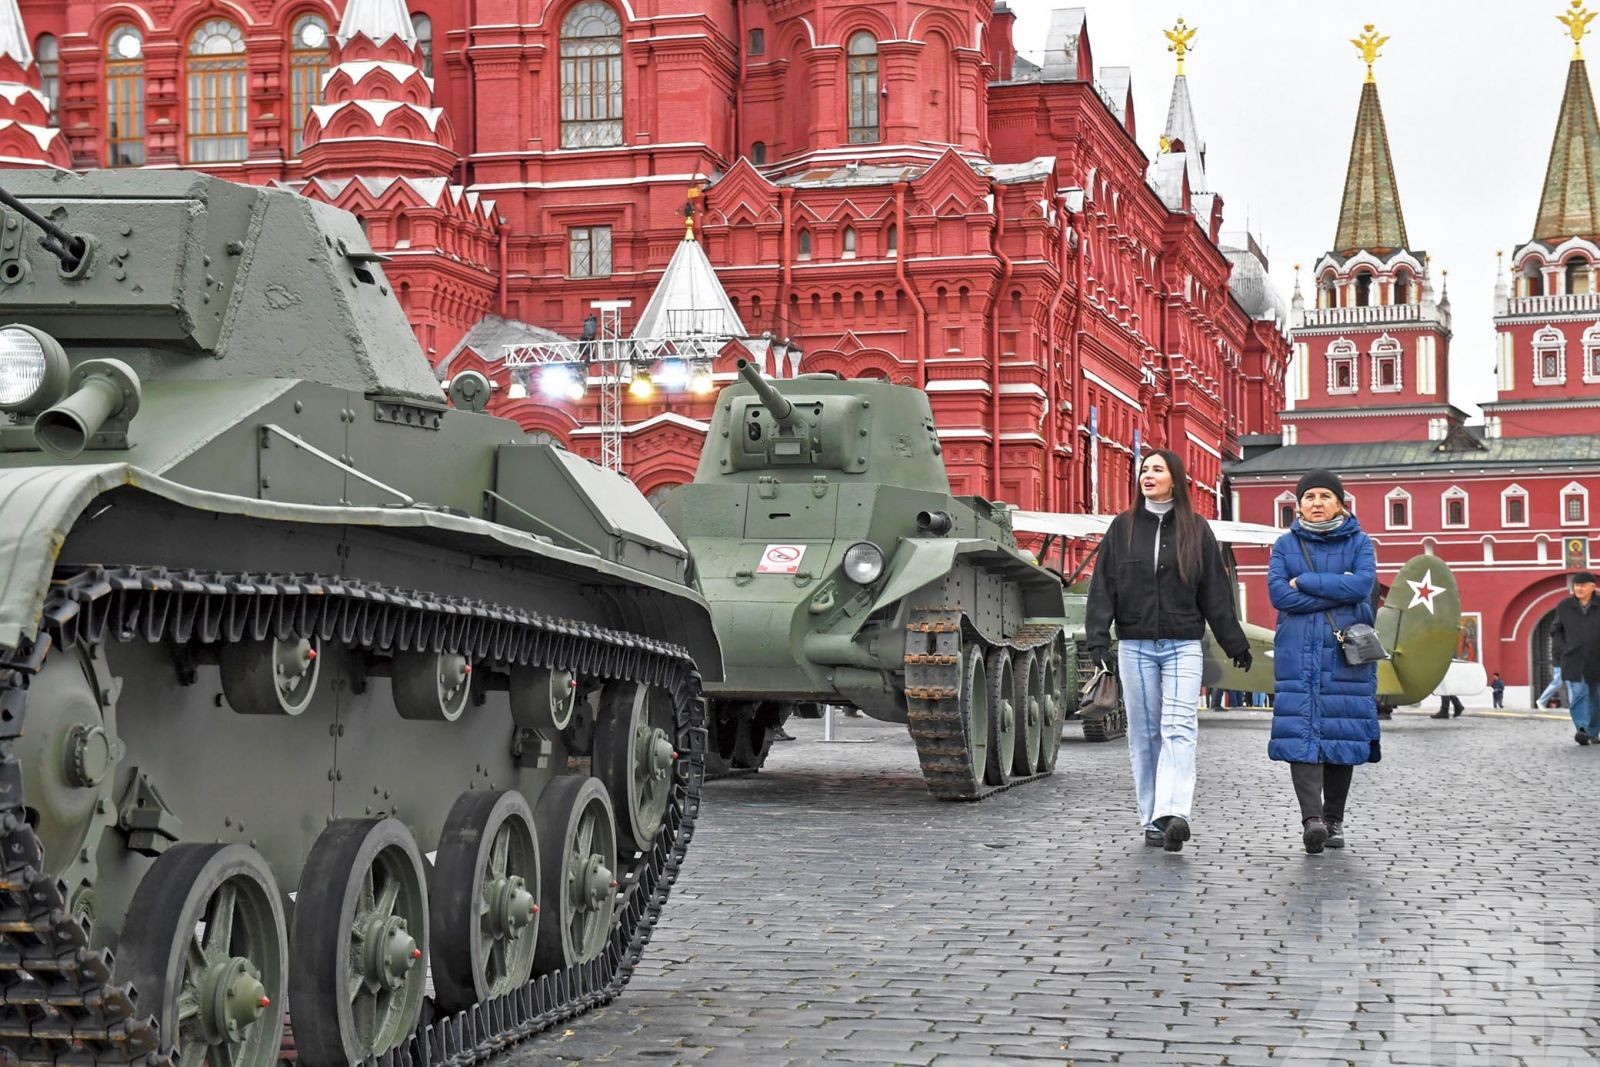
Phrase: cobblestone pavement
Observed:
(831, 912)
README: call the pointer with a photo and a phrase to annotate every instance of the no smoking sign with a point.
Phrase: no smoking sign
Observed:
(781, 559)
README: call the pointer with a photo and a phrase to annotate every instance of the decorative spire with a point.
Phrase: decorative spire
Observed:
(377, 20)
(1182, 38)
(1369, 42)
(1570, 203)
(1577, 23)
(26, 137)
(1369, 213)
(13, 36)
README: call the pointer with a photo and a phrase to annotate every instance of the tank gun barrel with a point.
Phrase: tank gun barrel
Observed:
(776, 402)
(66, 247)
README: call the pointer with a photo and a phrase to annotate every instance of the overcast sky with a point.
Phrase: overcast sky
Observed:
(1470, 90)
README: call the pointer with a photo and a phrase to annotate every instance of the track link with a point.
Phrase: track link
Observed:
(58, 1003)
(934, 637)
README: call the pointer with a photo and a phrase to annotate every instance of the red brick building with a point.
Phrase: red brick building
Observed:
(888, 187)
(1505, 503)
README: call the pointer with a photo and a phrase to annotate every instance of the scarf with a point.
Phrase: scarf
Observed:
(1322, 527)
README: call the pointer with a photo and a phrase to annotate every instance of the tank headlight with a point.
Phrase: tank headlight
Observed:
(863, 563)
(33, 369)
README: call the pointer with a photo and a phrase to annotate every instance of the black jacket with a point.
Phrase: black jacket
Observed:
(1147, 601)
(1576, 636)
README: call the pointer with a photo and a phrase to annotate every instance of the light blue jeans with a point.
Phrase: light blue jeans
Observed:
(1550, 690)
(1161, 687)
(1581, 705)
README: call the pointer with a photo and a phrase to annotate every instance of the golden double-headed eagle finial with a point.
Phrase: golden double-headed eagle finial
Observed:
(1369, 42)
(1577, 23)
(1182, 38)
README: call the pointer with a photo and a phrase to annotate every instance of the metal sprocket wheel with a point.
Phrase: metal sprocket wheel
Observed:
(360, 931)
(634, 756)
(1003, 708)
(483, 906)
(974, 698)
(577, 863)
(1030, 712)
(204, 946)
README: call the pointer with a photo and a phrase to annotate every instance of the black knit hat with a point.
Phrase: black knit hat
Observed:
(1320, 479)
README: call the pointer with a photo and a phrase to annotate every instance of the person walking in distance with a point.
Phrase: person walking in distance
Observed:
(1160, 579)
(1325, 719)
(1498, 688)
(1576, 637)
(1446, 702)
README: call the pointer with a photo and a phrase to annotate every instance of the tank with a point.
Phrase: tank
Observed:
(841, 570)
(321, 697)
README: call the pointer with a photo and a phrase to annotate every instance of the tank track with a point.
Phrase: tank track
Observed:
(933, 701)
(1109, 726)
(58, 1002)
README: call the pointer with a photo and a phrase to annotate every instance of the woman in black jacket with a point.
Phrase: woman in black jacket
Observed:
(1160, 578)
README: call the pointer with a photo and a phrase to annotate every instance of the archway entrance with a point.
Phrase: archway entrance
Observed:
(1541, 657)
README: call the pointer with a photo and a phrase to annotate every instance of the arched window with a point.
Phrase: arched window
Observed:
(1397, 513)
(863, 84)
(1363, 289)
(591, 77)
(1577, 274)
(1284, 507)
(125, 97)
(803, 245)
(1402, 287)
(892, 241)
(47, 53)
(1549, 357)
(849, 249)
(1453, 507)
(758, 153)
(1514, 506)
(1530, 281)
(422, 26)
(308, 61)
(218, 93)
(1591, 353)
(1326, 293)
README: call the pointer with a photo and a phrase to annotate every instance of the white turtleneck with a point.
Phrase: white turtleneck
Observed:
(1158, 508)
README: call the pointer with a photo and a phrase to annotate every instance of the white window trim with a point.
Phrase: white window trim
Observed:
(1574, 489)
(1591, 354)
(1388, 514)
(1344, 349)
(1545, 341)
(1488, 548)
(1505, 496)
(1285, 497)
(1387, 348)
(1350, 502)
(1455, 492)
(1541, 546)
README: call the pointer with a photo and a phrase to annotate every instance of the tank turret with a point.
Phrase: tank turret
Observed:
(840, 569)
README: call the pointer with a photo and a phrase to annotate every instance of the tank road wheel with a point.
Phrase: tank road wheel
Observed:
(633, 754)
(1052, 699)
(728, 721)
(360, 927)
(1030, 713)
(975, 710)
(204, 949)
(483, 913)
(577, 861)
(754, 742)
(431, 686)
(270, 677)
(1003, 708)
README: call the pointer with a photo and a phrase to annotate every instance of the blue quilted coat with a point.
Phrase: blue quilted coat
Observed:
(1325, 711)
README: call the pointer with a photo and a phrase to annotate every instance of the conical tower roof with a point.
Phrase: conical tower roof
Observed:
(1570, 205)
(689, 301)
(378, 20)
(26, 137)
(1369, 214)
(1183, 134)
(13, 36)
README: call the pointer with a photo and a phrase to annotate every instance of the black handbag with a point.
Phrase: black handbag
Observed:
(1359, 642)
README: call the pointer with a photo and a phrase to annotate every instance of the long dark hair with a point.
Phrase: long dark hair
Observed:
(1189, 527)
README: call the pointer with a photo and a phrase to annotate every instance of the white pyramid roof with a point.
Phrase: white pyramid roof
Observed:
(378, 19)
(689, 301)
(13, 36)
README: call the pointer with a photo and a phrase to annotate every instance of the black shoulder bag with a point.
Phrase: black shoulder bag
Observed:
(1359, 641)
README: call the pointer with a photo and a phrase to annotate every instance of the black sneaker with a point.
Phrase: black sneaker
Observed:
(1440, 715)
(1315, 836)
(1582, 738)
(780, 734)
(1176, 834)
(1335, 834)
(1155, 838)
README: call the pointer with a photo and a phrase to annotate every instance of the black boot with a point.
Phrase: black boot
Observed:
(1177, 832)
(1335, 834)
(1315, 835)
(1440, 714)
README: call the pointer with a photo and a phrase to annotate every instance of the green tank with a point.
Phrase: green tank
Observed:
(287, 637)
(841, 570)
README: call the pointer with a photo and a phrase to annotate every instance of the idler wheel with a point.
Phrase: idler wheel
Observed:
(1030, 713)
(1004, 711)
(360, 929)
(270, 677)
(634, 754)
(974, 698)
(203, 945)
(484, 909)
(577, 864)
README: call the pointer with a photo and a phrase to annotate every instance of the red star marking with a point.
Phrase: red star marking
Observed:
(1423, 592)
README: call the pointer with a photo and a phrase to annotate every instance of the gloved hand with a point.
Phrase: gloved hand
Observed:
(1244, 660)
(1102, 660)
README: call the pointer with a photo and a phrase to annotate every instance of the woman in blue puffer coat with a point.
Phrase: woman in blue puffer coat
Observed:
(1325, 716)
